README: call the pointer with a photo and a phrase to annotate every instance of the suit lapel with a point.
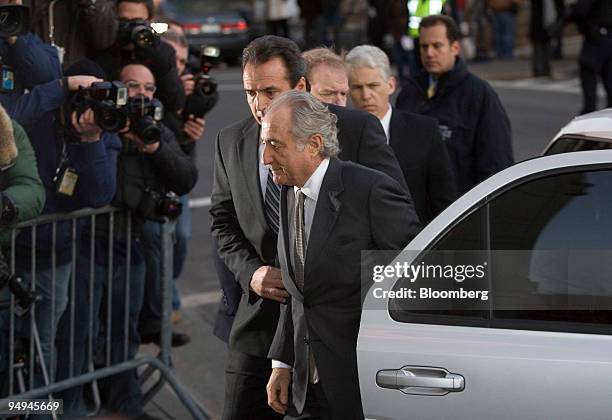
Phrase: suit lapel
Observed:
(326, 214)
(248, 156)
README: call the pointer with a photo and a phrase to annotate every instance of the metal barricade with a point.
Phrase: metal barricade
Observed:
(96, 337)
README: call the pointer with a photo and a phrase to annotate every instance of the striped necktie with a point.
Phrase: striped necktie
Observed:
(299, 245)
(272, 203)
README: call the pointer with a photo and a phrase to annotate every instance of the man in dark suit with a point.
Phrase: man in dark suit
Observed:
(334, 210)
(244, 212)
(415, 139)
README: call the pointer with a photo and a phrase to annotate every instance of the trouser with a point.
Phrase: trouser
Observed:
(120, 393)
(317, 406)
(595, 61)
(246, 378)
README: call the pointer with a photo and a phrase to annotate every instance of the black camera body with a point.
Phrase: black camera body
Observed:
(137, 32)
(144, 115)
(156, 204)
(205, 94)
(14, 20)
(105, 99)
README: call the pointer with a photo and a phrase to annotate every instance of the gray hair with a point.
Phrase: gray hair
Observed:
(369, 56)
(310, 117)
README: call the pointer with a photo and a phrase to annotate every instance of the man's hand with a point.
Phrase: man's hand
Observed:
(75, 82)
(278, 389)
(194, 129)
(85, 127)
(140, 145)
(188, 83)
(267, 283)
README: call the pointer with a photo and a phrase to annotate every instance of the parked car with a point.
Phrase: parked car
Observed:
(539, 346)
(212, 22)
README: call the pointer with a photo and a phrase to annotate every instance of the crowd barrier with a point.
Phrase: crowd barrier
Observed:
(30, 372)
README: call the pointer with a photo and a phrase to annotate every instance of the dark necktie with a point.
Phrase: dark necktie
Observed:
(299, 246)
(272, 203)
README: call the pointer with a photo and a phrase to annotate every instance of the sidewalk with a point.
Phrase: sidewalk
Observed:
(520, 67)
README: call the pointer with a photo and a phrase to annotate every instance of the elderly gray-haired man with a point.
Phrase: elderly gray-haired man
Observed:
(331, 210)
(415, 139)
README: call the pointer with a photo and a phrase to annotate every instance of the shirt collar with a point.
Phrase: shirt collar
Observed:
(386, 121)
(312, 187)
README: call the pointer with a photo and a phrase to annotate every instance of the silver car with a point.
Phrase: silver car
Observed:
(540, 346)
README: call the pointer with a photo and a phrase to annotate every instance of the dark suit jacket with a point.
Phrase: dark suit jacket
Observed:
(422, 155)
(245, 241)
(357, 209)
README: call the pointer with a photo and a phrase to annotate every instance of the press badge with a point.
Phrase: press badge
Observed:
(8, 78)
(67, 182)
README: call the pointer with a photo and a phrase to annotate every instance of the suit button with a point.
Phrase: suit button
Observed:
(306, 340)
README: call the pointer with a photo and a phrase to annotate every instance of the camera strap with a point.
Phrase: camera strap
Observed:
(60, 50)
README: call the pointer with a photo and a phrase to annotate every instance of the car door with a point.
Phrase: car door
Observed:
(540, 346)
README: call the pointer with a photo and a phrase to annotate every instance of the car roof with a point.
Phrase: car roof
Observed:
(595, 124)
(499, 182)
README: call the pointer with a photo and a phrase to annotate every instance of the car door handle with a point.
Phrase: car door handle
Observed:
(421, 380)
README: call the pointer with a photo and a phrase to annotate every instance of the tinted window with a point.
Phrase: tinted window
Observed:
(550, 259)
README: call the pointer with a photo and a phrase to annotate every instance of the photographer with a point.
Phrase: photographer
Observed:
(187, 133)
(25, 63)
(75, 27)
(77, 165)
(148, 168)
(136, 43)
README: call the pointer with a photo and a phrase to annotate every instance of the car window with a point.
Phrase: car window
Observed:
(548, 249)
(577, 143)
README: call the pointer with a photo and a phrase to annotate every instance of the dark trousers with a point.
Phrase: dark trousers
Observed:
(595, 61)
(317, 406)
(246, 378)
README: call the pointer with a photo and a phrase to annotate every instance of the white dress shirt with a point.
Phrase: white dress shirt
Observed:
(311, 190)
(386, 121)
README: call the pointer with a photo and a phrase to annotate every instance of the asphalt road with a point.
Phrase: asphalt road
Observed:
(536, 115)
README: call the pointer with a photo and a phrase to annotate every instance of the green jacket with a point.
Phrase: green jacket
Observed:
(21, 181)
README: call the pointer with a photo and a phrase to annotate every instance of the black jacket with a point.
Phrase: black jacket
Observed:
(168, 169)
(245, 241)
(421, 154)
(357, 209)
(472, 120)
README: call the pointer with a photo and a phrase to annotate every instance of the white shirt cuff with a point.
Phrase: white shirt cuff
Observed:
(279, 364)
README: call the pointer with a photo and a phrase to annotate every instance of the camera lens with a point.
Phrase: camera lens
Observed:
(110, 119)
(143, 36)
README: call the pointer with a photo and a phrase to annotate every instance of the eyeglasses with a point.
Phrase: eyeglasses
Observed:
(148, 87)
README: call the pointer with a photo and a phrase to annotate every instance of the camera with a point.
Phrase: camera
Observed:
(14, 20)
(144, 114)
(157, 204)
(205, 95)
(137, 32)
(105, 99)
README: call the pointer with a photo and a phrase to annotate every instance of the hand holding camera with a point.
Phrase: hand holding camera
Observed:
(142, 147)
(193, 128)
(85, 126)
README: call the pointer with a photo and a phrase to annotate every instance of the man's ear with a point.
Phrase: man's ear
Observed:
(456, 48)
(315, 145)
(392, 83)
(301, 85)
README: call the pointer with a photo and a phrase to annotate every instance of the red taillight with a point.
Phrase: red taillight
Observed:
(192, 27)
(239, 26)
